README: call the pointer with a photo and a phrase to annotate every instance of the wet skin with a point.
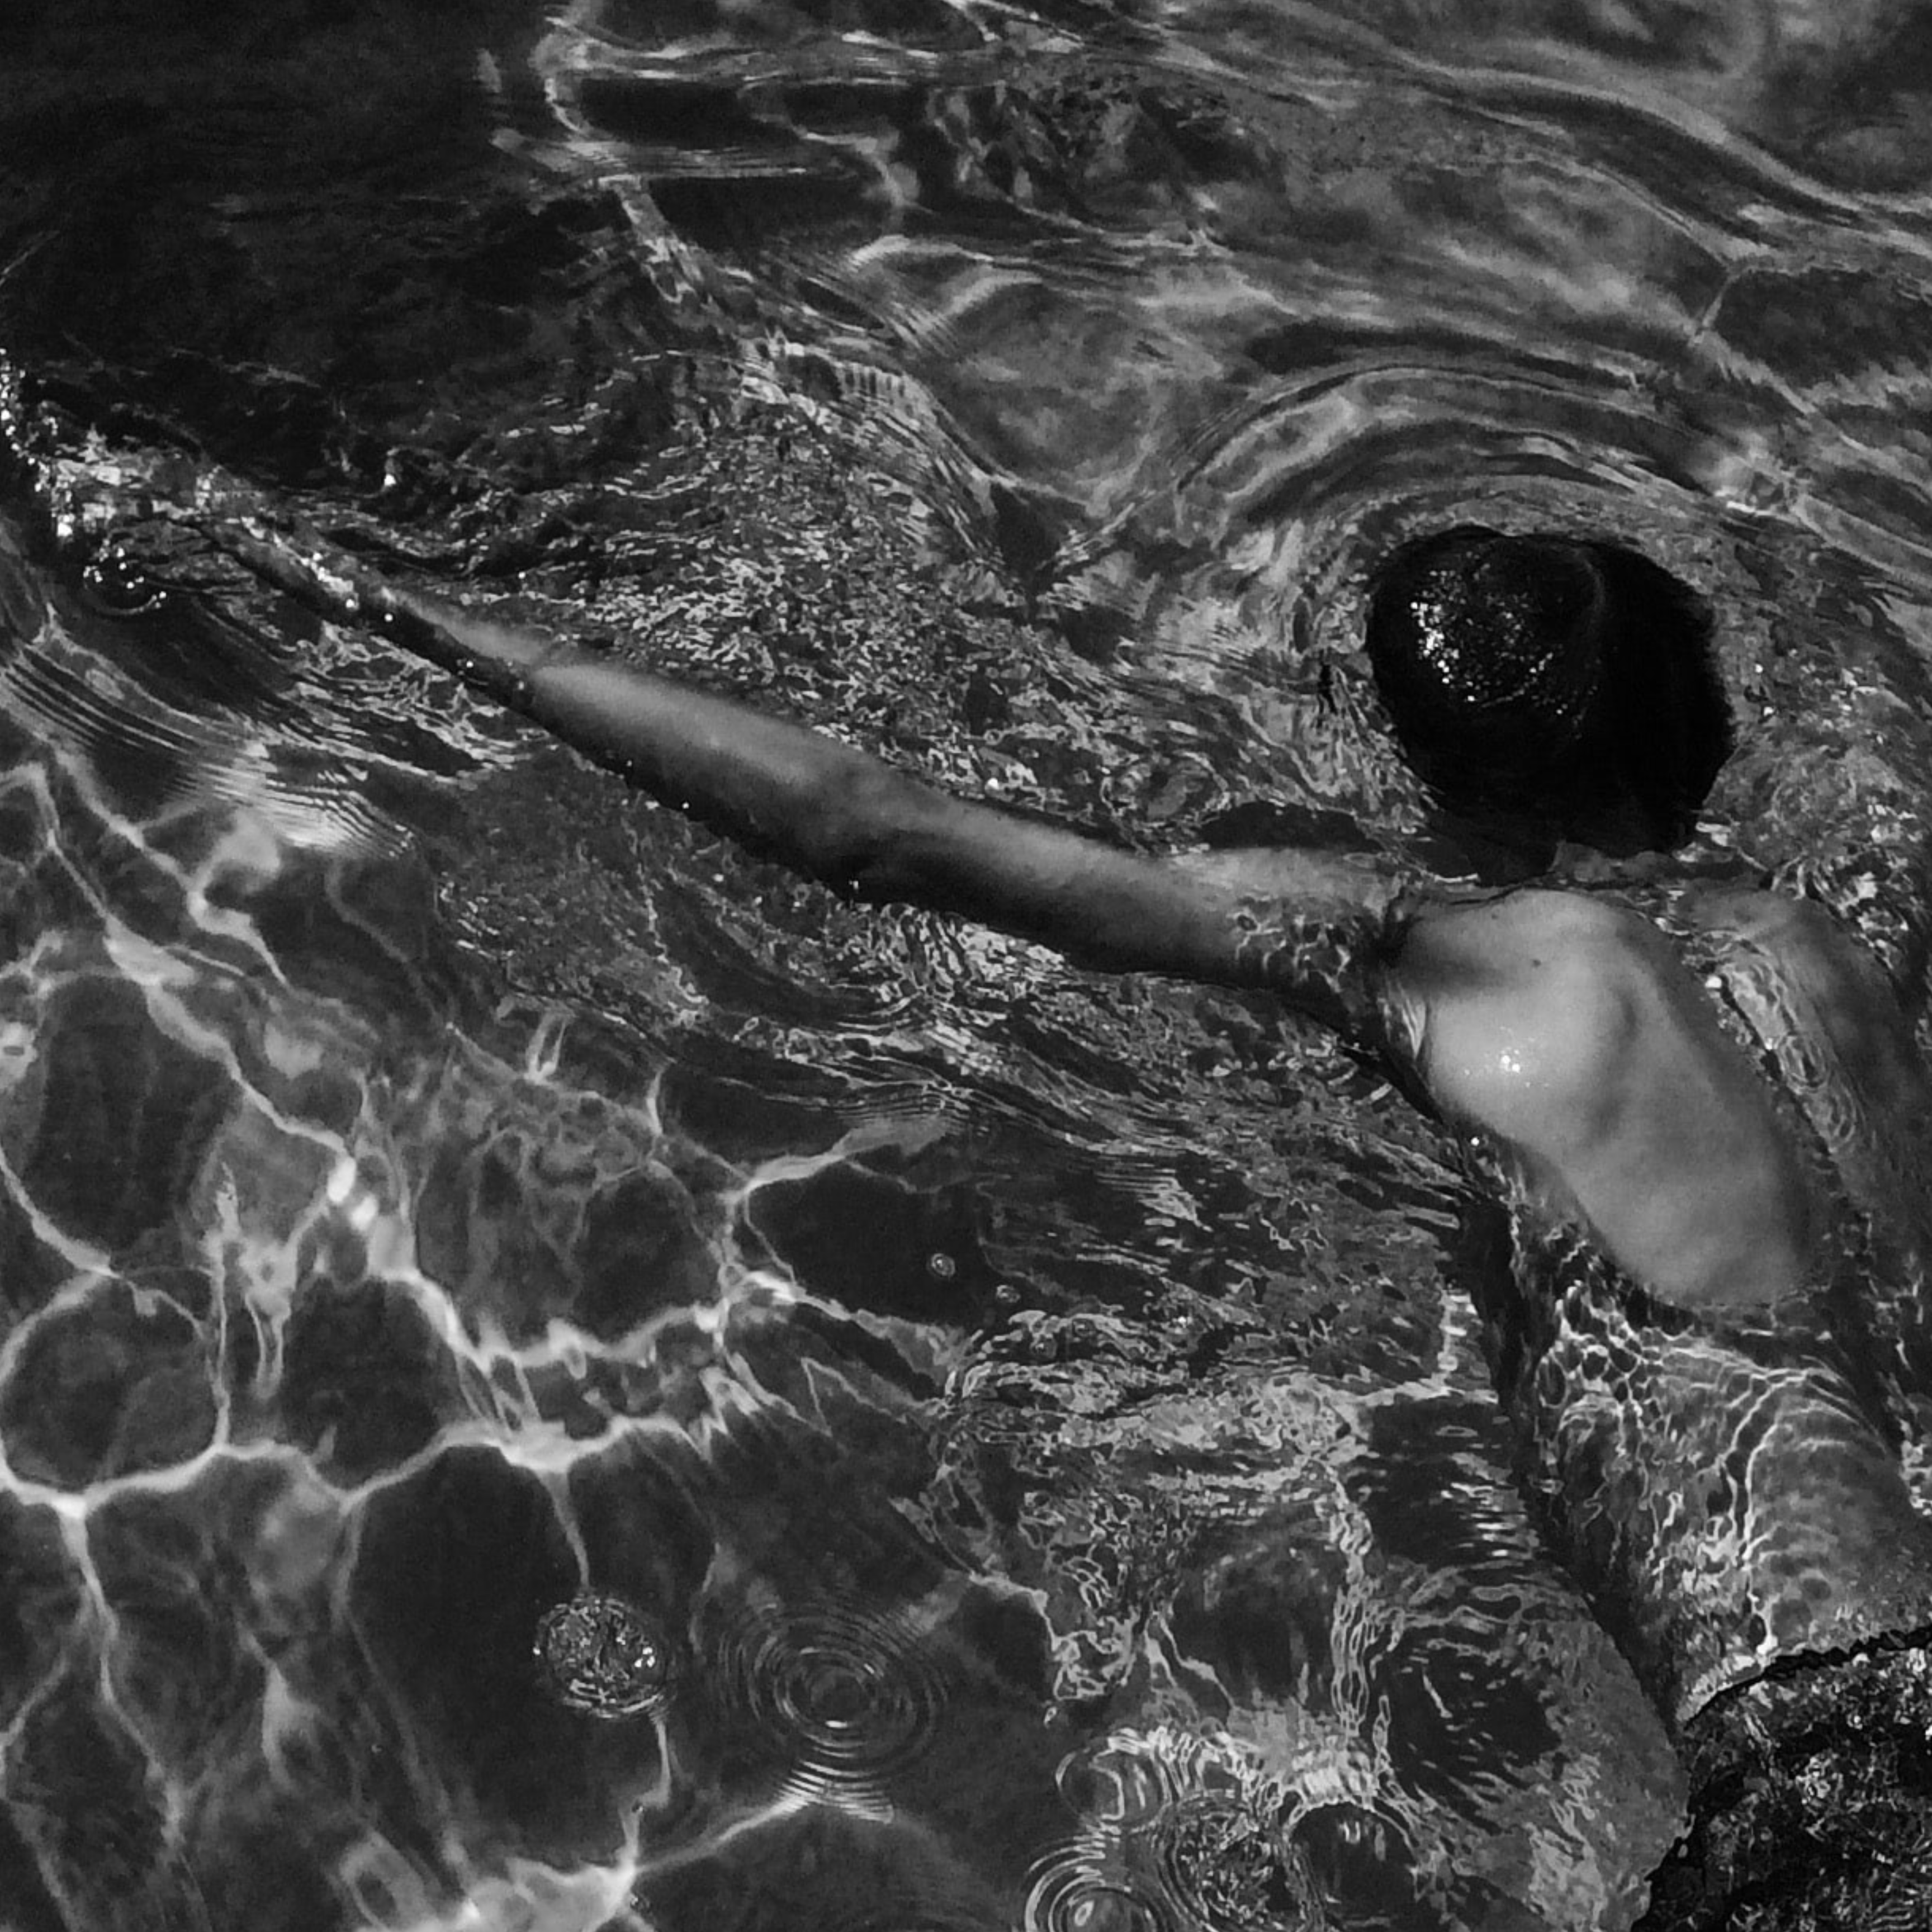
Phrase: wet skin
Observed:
(1567, 1030)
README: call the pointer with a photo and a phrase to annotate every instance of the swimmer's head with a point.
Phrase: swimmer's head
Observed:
(1548, 677)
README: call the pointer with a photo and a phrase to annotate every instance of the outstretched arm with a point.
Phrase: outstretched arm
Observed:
(1310, 926)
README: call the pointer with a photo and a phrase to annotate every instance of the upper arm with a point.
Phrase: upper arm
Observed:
(1311, 927)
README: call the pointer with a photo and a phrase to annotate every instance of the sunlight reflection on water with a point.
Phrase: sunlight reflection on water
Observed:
(556, 1377)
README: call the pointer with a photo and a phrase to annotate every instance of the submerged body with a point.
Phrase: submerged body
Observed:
(1680, 1351)
(1678, 1345)
(1713, 1334)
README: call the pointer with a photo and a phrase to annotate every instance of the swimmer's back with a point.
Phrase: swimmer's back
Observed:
(1566, 1031)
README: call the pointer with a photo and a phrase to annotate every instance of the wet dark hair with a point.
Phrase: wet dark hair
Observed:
(1566, 679)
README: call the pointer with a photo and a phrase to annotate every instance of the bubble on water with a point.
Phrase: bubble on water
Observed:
(1226, 1866)
(1201, 1861)
(605, 1656)
(854, 1695)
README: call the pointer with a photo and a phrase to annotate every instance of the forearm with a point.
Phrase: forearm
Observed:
(779, 786)
(776, 786)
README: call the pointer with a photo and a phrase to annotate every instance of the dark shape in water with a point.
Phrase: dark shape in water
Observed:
(1813, 1804)
(1207, 1860)
(604, 1657)
(1571, 679)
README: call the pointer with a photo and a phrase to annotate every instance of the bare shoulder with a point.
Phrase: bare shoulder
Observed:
(1520, 1008)
(1566, 1028)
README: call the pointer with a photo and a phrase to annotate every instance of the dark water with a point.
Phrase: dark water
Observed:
(556, 1377)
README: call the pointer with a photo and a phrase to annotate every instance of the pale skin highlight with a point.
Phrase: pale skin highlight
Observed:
(1565, 1029)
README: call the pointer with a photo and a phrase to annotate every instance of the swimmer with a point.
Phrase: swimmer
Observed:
(1558, 1025)
(1680, 1347)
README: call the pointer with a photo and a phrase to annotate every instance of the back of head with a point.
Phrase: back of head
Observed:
(1568, 680)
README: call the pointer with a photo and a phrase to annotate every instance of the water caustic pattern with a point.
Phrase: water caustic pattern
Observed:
(556, 1379)
(314, 1559)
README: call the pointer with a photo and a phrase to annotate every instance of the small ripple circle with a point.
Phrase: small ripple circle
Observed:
(1071, 1893)
(853, 1695)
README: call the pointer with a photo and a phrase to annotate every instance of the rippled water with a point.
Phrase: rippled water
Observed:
(556, 1377)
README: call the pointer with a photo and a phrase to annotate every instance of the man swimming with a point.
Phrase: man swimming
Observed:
(1708, 1326)
(1558, 1024)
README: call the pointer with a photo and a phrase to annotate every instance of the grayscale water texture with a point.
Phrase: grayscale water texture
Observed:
(554, 1378)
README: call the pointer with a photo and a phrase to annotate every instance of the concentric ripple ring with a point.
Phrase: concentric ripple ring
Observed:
(1223, 1865)
(855, 1695)
(1073, 1892)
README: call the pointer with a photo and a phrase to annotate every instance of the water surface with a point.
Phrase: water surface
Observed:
(556, 1377)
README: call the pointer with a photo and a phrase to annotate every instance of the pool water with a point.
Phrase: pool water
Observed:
(555, 1377)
